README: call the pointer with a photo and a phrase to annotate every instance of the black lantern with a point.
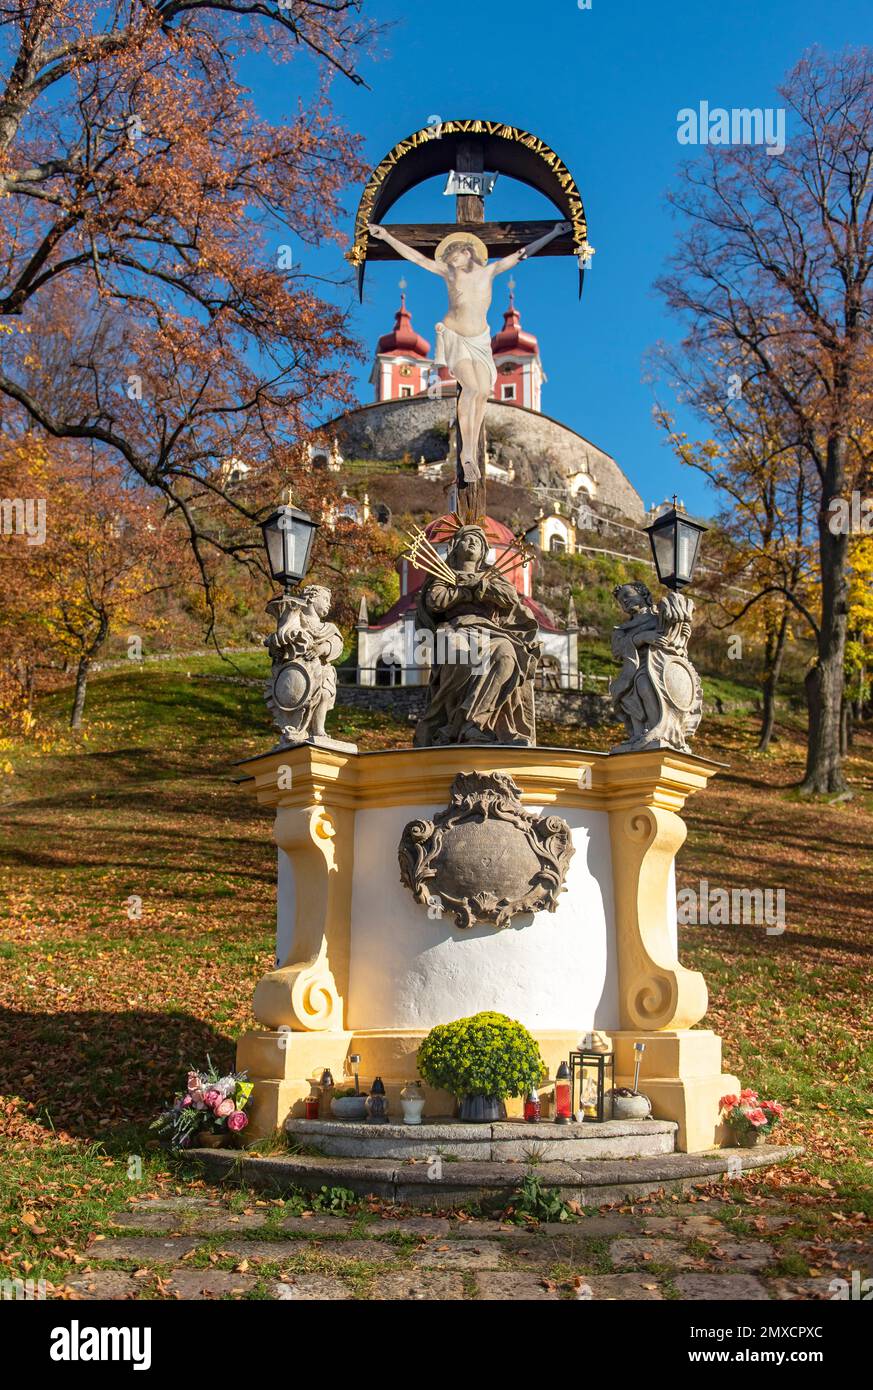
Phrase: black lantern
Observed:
(288, 536)
(588, 1072)
(675, 540)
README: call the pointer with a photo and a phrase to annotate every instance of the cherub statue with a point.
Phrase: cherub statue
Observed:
(463, 337)
(657, 692)
(302, 689)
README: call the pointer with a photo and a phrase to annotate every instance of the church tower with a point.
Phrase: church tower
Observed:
(516, 354)
(402, 358)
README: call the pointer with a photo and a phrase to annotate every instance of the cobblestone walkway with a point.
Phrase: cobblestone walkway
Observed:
(201, 1248)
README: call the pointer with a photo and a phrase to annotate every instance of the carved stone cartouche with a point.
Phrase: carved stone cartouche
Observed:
(485, 858)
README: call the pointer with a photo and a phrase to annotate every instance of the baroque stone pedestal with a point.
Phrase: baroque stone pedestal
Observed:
(361, 967)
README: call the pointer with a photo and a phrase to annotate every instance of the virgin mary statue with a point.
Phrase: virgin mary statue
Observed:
(485, 652)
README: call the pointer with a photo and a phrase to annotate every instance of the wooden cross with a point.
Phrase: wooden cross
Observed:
(500, 238)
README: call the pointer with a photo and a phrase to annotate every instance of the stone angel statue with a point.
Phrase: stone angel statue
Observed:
(302, 688)
(657, 692)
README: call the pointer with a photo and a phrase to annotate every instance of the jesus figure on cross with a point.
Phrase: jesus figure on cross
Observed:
(463, 337)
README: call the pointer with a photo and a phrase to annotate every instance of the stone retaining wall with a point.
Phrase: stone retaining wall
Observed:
(410, 701)
(542, 450)
(570, 707)
(403, 700)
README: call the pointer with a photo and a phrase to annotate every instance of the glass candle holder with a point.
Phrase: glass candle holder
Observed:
(563, 1095)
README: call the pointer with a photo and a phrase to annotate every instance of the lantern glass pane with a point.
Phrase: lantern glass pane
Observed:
(688, 541)
(662, 545)
(291, 529)
(588, 1091)
(306, 539)
(273, 539)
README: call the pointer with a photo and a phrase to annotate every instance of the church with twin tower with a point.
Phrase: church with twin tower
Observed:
(403, 366)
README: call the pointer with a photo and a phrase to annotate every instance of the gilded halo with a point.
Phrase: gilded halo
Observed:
(463, 239)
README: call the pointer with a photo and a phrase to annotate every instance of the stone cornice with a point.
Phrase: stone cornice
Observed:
(421, 776)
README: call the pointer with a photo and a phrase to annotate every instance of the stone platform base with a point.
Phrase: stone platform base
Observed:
(681, 1074)
(285, 1065)
(443, 1185)
(504, 1142)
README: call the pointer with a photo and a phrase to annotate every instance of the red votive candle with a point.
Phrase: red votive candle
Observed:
(562, 1095)
(532, 1108)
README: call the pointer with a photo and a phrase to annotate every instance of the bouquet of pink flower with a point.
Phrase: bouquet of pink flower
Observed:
(212, 1102)
(748, 1115)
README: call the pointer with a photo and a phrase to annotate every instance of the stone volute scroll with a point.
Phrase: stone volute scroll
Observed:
(657, 692)
(485, 858)
(656, 991)
(306, 989)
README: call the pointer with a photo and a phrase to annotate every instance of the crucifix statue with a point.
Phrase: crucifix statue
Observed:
(468, 602)
(469, 253)
(463, 336)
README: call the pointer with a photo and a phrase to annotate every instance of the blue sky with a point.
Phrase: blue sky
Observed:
(603, 88)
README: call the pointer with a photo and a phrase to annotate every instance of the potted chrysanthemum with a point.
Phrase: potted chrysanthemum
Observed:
(481, 1060)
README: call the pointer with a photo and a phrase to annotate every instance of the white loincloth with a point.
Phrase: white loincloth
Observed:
(452, 348)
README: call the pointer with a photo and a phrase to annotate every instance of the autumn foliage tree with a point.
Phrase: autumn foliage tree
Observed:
(766, 581)
(774, 277)
(108, 552)
(859, 647)
(145, 203)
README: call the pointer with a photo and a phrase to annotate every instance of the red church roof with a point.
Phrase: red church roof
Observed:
(397, 610)
(403, 338)
(511, 338)
(441, 529)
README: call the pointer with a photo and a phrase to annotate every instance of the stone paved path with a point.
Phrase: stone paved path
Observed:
(204, 1248)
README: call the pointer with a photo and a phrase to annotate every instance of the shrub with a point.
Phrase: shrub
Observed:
(536, 1202)
(487, 1055)
(333, 1199)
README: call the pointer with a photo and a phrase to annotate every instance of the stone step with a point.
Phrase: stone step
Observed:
(444, 1183)
(508, 1141)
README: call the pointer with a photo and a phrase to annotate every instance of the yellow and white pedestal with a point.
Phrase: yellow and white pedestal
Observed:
(362, 968)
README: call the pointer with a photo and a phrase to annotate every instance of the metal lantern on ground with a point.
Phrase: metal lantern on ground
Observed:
(675, 541)
(288, 537)
(377, 1103)
(588, 1072)
(563, 1095)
